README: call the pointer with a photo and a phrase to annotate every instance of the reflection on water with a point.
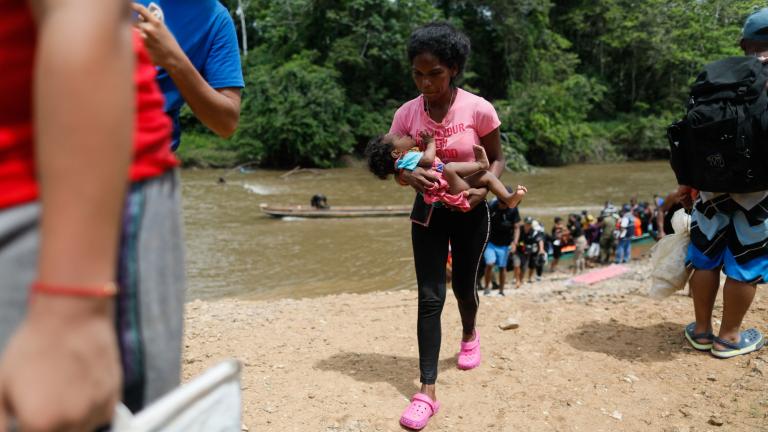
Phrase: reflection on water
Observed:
(235, 250)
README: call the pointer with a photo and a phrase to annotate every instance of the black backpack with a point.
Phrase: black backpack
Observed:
(720, 145)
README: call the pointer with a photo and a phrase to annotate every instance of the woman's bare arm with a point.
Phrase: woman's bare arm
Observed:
(428, 157)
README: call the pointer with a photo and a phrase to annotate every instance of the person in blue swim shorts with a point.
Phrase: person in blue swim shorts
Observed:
(505, 230)
(729, 233)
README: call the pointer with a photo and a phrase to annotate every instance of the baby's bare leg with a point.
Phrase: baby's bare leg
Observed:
(463, 169)
(454, 173)
(487, 180)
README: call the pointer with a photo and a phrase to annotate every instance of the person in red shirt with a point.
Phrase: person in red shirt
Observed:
(87, 180)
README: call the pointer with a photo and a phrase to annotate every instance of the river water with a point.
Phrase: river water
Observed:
(235, 250)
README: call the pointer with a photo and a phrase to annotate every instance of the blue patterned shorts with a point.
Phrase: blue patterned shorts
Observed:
(726, 235)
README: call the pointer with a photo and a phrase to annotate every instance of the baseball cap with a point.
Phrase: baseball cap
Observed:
(528, 219)
(609, 210)
(756, 26)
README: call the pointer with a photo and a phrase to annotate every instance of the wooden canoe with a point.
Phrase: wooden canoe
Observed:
(305, 211)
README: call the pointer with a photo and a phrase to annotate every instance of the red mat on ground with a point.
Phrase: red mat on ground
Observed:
(599, 275)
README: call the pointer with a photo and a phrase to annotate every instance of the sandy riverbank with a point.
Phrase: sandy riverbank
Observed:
(600, 358)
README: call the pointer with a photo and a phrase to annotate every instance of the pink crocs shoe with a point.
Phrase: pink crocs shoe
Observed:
(469, 356)
(420, 410)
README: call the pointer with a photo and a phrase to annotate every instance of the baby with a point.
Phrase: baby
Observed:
(389, 153)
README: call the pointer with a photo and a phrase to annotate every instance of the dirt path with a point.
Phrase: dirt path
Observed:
(600, 358)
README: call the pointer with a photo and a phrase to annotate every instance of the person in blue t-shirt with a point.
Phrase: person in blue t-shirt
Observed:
(194, 45)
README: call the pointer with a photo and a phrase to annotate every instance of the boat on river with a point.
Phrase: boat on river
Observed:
(306, 211)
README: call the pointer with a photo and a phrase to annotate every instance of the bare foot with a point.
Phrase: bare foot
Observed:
(471, 191)
(481, 157)
(514, 198)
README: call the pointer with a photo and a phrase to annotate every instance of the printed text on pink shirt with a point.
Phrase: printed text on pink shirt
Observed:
(441, 140)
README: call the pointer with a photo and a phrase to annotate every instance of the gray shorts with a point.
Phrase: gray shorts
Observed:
(150, 304)
(519, 260)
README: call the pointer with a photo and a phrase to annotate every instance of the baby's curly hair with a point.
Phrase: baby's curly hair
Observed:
(379, 154)
(442, 40)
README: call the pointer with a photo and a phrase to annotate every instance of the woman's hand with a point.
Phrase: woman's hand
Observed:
(419, 179)
(474, 196)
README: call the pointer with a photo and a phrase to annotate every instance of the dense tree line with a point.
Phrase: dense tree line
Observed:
(572, 80)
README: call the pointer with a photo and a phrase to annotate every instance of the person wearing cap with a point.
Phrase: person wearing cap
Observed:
(505, 229)
(535, 252)
(586, 219)
(529, 247)
(593, 233)
(729, 233)
(518, 257)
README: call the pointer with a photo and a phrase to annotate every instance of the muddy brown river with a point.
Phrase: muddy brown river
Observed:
(235, 250)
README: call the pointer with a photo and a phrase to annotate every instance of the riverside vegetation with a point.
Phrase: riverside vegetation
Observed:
(572, 80)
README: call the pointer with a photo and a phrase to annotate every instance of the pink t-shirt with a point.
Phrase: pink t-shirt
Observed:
(469, 118)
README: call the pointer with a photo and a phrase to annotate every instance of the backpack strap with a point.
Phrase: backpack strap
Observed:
(759, 106)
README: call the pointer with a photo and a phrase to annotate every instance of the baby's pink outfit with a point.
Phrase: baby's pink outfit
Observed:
(440, 191)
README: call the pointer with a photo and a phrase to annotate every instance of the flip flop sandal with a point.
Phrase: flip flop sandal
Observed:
(693, 337)
(750, 340)
(469, 355)
(418, 413)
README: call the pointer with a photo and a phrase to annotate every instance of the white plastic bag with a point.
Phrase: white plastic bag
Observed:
(209, 403)
(668, 258)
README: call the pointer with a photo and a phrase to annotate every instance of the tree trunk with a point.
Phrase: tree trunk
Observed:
(241, 13)
(634, 80)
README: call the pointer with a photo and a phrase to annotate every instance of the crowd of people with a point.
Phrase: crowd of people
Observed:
(525, 246)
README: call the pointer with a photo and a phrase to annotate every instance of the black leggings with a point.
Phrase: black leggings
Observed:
(468, 233)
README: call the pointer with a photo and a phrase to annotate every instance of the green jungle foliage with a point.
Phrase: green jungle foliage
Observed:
(572, 80)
